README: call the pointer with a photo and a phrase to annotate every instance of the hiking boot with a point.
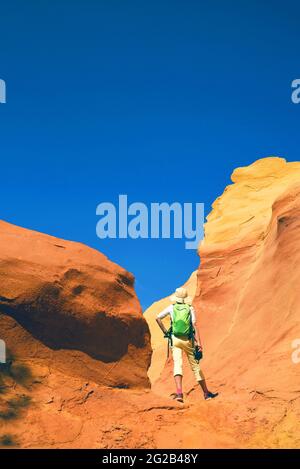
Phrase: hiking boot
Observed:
(210, 395)
(179, 397)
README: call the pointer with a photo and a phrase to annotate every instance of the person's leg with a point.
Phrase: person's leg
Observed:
(197, 370)
(188, 348)
(177, 359)
(178, 383)
(203, 385)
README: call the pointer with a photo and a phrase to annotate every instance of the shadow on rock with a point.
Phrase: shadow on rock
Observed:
(13, 403)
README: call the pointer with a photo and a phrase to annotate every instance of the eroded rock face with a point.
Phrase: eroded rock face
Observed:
(248, 281)
(247, 303)
(67, 306)
(247, 297)
(248, 307)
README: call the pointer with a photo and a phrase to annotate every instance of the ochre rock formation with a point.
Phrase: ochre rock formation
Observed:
(248, 281)
(248, 306)
(79, 348)
(67, 306)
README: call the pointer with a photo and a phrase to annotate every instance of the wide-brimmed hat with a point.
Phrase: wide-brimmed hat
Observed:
(181, 296)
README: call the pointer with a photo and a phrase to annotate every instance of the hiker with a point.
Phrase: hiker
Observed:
(184, 336)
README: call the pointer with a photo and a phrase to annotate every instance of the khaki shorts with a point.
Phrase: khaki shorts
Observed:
(185, 345)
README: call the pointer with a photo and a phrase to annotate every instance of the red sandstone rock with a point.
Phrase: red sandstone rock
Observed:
(248, 308)
(67, 306)
(57, 391)
(248, 281)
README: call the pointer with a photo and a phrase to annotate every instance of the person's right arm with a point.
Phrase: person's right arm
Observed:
(160, 323)
(162, 315)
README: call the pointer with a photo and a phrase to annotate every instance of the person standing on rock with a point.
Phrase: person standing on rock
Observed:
(184, 336)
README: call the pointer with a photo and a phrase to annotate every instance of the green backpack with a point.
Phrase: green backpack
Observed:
(181, 321)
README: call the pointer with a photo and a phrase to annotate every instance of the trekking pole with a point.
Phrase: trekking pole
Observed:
(168, 335)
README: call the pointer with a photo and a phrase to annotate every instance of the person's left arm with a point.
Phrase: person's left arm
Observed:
(196, 327)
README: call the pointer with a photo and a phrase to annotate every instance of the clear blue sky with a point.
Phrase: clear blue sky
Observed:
(123, 97)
